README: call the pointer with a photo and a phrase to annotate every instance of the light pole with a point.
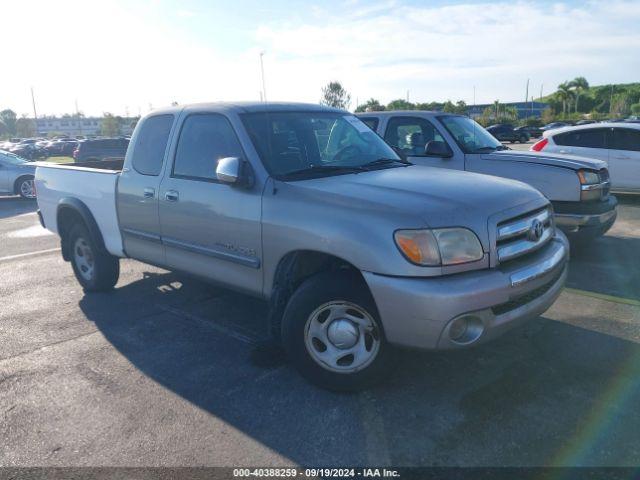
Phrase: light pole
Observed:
(264, 91)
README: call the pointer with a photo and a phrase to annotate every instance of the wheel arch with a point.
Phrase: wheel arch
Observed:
(71, 211)
(292, 270)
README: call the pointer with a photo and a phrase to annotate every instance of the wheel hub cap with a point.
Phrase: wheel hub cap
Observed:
(343, 333)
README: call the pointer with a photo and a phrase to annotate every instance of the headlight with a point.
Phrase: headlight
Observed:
(590, 187)
(588, 177)
(444, 246)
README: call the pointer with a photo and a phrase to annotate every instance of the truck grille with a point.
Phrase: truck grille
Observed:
(524, 234)
(604, 178)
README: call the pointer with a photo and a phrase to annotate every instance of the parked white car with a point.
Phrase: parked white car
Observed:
(618, 144)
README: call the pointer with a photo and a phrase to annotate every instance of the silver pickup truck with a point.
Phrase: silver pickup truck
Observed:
(578, 187)
(354, 249)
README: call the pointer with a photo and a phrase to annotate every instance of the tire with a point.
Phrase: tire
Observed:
(96, 271)
(24, 187)
(343, 295)
(523, 140)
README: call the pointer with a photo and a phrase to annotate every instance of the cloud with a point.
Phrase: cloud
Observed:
(126, 55)
(441, 52)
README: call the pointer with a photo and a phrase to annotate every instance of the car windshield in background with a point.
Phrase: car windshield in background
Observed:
(469, 135)
(300, 144)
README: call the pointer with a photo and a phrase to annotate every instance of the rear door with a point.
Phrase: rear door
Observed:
(411, 134)
(209, 228)
(624, 159)
(588, 142)
(138, 187)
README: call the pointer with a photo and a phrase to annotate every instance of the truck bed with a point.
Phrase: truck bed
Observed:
(92, 183)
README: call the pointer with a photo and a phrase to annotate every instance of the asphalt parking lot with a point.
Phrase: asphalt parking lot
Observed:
(165, 370)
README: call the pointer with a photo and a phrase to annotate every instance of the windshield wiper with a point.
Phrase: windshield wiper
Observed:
(322, 169)
(383, 162)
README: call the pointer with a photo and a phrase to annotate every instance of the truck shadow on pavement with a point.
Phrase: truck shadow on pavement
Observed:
(12, 206)
(548, 393)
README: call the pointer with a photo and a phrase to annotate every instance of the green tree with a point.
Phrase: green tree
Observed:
(335, 95)
(635, 108)
(578, 85)
(371, 105)
(9, 118)
(565, 94)
(110, 126)
(400, 104)
(25, 127)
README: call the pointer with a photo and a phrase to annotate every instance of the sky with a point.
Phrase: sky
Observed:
(129, 56)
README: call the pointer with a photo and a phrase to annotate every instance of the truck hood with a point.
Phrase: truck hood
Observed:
(555, 160)
(438, 197)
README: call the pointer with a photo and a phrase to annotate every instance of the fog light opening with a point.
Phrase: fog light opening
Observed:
(466, 329)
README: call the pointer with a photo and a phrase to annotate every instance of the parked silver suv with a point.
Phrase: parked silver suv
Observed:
(306, 207)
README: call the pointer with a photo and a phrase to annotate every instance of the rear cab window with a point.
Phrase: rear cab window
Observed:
(151, 144)
(371, 122)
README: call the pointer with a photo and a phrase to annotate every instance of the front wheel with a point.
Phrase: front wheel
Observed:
(96, 271)
(332, 333)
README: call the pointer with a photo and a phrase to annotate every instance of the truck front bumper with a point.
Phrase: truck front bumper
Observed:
(430, 313)
(586, 219)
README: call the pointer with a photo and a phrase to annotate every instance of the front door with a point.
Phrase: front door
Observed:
(210, 228)
(411, 134)
(624, 159)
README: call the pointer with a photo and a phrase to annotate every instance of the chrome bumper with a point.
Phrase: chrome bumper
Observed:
(419, 312)
(570, 221)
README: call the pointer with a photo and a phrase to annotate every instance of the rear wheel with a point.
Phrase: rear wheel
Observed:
(25, 187)
(96, 271)
(523, 139)
(332, 333)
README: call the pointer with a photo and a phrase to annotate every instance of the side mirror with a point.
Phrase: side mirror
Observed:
(234, 171)
(228, 170)
(435, 148)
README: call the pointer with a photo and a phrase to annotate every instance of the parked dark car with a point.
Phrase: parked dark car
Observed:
(533, 132)
(63, 146)
(506, 133)
(100, 149)
(28, 151)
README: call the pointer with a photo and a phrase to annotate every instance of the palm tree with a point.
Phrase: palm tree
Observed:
(564, 94)
(579, 85)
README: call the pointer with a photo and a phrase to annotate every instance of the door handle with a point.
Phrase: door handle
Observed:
(621, 157)
(149, 192)
(171, 195)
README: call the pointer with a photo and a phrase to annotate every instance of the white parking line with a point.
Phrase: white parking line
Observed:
(30, 254)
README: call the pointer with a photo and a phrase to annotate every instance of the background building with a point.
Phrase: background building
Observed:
(524, 109)
(79, 126)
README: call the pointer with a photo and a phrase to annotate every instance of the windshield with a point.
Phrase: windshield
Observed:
(315, 142)
(470, 135)
(11, 158)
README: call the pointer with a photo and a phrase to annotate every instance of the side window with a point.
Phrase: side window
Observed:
(204, 139)
(150, 146)
(371, 122)
(411, 134)
(626, 139)
(589, 138)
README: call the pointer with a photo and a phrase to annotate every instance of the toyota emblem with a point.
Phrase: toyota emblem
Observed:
(536, 231)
